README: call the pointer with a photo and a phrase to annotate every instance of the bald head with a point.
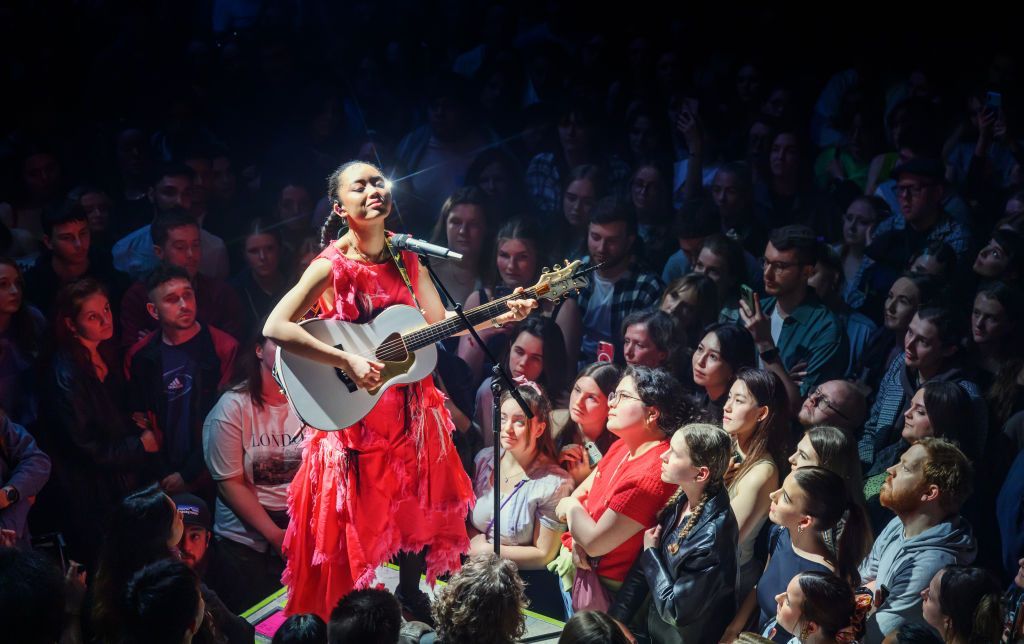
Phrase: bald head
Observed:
(836, 402)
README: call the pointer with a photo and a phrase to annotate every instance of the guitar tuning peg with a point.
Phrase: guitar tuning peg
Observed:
(557, 267)
(545, 269)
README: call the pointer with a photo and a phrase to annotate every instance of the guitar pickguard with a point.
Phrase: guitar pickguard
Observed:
(393, 368)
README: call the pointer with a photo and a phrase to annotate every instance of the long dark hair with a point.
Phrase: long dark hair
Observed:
(137, 534)
(949, 409)
(770, 436)
(837, 451)
(69, 304)
(735, 345)
(828, 501)
(555, 367)
(828, 602)
(592, 627)
(248, 372)
(971, 599)
(22, 327)
(606, 375)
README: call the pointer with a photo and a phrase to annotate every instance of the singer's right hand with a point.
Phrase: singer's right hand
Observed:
(365, 373)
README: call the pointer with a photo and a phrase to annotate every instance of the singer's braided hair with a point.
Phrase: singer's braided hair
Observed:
(334, 223)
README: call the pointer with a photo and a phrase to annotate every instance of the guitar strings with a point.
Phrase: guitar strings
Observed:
(396, 348)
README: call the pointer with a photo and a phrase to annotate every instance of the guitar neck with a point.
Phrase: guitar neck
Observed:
(448, 327)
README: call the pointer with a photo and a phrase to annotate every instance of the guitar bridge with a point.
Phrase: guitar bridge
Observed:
(345, 380)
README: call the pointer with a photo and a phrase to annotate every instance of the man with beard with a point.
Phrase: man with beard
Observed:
(175, 374)
(195, 538)
(836, 402)
(619, 287)
(926, 490)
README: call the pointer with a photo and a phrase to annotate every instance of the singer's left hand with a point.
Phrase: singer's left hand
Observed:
(518, 309)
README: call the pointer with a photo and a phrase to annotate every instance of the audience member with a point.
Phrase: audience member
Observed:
(926, 490)
(583, 438)
(530, 487)
(607, 515)
(964, 605)
(369, 615)
(21, 339)
(176, 240)
(174, 374)
(756, 419)
(306, 628)
(692, 551)
(24, 470)
(619, 286)
(252, 445)
(100, 452)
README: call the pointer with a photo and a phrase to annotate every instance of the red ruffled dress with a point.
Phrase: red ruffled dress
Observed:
(389, 483)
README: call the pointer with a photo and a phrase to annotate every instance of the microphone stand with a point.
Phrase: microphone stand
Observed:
(499, 379)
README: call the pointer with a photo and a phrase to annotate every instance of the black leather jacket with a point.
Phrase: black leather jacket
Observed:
(692, 588)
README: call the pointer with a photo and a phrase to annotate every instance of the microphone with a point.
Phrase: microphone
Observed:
(408, 242)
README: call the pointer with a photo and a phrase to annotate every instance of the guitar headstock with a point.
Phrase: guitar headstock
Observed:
(560, 282)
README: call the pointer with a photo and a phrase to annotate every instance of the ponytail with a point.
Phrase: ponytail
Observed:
(829, 503)
(853, 543)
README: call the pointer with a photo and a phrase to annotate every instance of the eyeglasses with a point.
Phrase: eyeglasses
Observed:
(822, 402)
(777, 267)
(914, 190)
(616, 396)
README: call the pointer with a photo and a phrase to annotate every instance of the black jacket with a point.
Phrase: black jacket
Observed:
(146, 390)
(97, 455)
(693, 590)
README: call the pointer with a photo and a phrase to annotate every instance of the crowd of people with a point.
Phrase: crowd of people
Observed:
(788, 406)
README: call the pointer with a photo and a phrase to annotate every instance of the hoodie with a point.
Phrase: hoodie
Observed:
(906, 566)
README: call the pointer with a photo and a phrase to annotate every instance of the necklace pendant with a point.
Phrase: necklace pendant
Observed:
(673, 548)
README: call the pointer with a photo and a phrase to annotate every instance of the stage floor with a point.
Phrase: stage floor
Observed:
(267, 616)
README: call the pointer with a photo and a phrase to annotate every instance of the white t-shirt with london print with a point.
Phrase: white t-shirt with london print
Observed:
(265, 445)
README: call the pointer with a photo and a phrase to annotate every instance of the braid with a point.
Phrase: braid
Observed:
(694, 516)
(329, 231)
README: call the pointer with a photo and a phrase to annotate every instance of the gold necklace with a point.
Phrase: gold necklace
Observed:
(355, 246)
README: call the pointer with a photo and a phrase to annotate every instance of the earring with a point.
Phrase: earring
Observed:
(800, 528)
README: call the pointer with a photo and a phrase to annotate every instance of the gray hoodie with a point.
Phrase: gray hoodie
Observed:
(906, 566)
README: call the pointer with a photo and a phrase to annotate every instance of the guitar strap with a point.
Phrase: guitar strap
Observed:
(397, 258)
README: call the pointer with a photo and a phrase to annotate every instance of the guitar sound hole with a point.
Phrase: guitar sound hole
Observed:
(392, 349)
